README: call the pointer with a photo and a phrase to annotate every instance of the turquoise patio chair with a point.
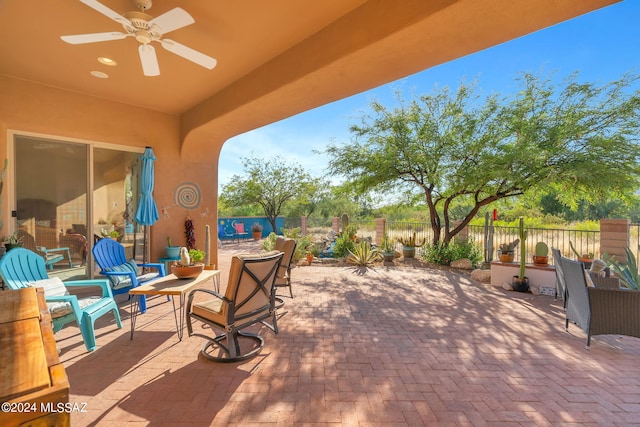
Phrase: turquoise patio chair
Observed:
(21, 268)
(123, 274)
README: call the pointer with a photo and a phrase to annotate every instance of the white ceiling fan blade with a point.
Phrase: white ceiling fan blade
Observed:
(149, 60)
(96, 5)
(172, 20)
(188, 53)
(92, 38)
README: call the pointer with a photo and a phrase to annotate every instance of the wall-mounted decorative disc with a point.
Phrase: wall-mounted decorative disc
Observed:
(187, 195)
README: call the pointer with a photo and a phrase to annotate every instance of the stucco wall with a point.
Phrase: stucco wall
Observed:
(35, 109)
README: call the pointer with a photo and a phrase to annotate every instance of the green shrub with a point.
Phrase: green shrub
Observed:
(345, 242)
(444, 254)
(304, 244)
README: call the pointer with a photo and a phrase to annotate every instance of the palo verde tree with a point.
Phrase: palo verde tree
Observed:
(456, 148)
(269, 183)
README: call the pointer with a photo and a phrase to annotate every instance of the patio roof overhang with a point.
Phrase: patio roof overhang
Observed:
(275, 59)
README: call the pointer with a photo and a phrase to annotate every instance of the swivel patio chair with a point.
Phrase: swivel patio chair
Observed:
(283, 279)
(123, 274)
(599, 311)
(248, 299)
(21, 267)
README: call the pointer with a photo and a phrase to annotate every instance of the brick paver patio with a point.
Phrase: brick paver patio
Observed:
(395, 346)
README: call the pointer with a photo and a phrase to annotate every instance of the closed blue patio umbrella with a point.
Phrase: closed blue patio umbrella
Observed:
(147, 212)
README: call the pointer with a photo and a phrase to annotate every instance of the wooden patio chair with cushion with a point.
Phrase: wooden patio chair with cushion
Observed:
(21, 267)
(599, 311)
(123, 274)
(283, 280)
(248, 299)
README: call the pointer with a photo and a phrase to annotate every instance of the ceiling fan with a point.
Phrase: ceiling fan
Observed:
(146, 29)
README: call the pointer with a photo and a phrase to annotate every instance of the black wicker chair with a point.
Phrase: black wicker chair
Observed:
(598, 310)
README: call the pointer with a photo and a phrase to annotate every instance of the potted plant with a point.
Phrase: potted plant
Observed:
(520, 282)
(309, 257)
(506, 251)
(387, 248)
(188, 266)
(12, 241)
(256, 231)
(409, 244)
(113, 234)
(173, 252)
(586, 258)
(541, 256)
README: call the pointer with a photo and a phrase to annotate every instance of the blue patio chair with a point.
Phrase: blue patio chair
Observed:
(123, 274)
(224, 234)
(21, 267)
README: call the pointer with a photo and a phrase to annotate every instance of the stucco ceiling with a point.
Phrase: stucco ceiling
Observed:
(275, 58)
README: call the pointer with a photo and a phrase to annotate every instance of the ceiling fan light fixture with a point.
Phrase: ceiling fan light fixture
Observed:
(107, 61)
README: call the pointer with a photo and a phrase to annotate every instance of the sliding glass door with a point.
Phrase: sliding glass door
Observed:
(70, 194)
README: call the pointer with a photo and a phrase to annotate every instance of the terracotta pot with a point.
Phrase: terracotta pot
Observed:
(505, 257)
(540, 260)
(257, 235)
(188, 272)
(309, 258)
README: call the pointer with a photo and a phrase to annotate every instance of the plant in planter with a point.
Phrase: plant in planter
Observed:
(113, 234)
(541, 256)
(172, 251)
(409, 244)
(586, 259)
(387, 248)
(189, 265)
(506, 251)
(627, 270)
(520, 282)
(256, 231)
(12, 241)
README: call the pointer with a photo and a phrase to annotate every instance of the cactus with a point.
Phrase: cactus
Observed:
(523, 248)
(542, 249)
(488, 238)
(509, 247)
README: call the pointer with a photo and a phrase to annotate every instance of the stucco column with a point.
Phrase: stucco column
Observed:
(335, 224)
(381, 225)
(303, 225)
(614, 237)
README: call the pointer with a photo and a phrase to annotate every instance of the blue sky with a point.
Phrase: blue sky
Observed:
(601, 45)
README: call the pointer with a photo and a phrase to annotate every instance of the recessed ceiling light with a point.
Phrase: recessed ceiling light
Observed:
(100, 74)
(107, 61)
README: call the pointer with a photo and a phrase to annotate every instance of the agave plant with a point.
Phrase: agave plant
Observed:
(363, 254)
(627, 270)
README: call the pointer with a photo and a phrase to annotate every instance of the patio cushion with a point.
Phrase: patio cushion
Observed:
(123, 281)
(62, 308)
(211, 309)
(54, 287)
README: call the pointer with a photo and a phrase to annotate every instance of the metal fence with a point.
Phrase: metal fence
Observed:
(584, 241)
